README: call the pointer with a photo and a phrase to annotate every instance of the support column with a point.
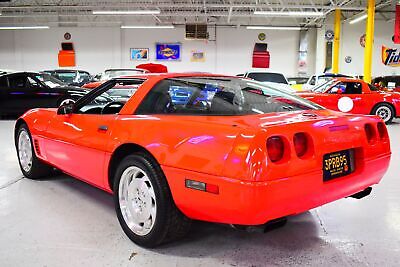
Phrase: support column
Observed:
(369, 41)
(336, 41)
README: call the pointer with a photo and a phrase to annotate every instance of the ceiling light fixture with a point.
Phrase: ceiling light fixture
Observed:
(358, 19)
(290, 13)
(147, 27)
(24, 27)
(285, 28)
(126, 12)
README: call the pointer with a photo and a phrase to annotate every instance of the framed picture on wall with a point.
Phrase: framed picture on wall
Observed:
(139, 54)
(168, 51)
(197, 56)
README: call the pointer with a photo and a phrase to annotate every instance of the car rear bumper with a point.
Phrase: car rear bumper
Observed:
(254, 203)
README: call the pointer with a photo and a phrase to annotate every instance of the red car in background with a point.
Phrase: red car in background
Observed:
(355, 96)
(180, 147)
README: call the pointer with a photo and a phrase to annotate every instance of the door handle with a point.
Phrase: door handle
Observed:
(103, 128)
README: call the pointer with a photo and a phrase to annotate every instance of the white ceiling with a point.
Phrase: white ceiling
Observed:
(234, 13)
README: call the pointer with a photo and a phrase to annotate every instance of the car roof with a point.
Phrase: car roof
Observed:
(178, 75)
(348, 79)
(263, 71)
(66, 70)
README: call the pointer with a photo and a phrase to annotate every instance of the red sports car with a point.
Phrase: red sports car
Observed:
(184, 147)
(356, 96)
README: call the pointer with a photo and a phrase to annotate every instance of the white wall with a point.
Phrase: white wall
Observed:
(350, 46)
(100, 48)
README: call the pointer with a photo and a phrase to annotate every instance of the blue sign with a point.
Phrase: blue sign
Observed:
(168, 51)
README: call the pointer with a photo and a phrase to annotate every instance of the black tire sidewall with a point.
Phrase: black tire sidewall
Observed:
(24, 127)
(158, 181)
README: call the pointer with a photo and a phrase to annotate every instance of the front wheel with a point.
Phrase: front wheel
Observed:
(144, 205)
(385, 112)
(31, 166)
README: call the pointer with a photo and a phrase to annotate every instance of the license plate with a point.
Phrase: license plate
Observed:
(338, 164)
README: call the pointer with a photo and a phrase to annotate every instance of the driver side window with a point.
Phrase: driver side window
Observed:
(112, 100)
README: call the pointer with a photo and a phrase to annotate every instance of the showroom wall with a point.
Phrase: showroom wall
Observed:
(100, 48)
(350, 46)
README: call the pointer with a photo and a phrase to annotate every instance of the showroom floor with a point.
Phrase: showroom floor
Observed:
(65, 222)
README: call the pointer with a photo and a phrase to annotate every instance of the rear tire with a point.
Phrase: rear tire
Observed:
(144, 204)
(385, 112)
(31, 166)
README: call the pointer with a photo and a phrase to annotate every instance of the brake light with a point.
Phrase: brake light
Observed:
(275, 148)
(300, 141)
(383, 134)
(370, 133)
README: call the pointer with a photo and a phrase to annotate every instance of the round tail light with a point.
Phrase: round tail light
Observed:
(300, 141)
(275, 148)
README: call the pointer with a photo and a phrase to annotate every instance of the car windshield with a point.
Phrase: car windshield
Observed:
(321, 88)
(267, 77)
(66, 77)
(298, 80)
(109, 74)
(49, 80)
(219, 96)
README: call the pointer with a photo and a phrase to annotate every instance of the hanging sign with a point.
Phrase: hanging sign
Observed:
(396, 38)
(390, 56)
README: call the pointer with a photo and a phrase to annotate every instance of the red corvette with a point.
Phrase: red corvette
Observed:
(178, 147)
(356, 96)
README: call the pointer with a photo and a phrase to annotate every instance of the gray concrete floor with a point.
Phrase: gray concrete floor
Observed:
(65, 222)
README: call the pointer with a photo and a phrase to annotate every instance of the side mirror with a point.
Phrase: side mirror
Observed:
(339, 91)
(65, 109)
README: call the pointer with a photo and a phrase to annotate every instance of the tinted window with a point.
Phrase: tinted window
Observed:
(267, 77)
(218, 96)
(347, 88)
(3, 82)
(19, 81)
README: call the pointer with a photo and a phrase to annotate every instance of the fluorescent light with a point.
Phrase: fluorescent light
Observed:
(273, 28)
(24, 27)
(126, 12)
(290, 13)
(358, 19)
(147, 27)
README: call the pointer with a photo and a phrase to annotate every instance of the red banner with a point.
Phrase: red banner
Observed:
(396, 38)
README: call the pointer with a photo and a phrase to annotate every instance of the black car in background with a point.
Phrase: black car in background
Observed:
(387, 82)
(71, 77)
(22, 91)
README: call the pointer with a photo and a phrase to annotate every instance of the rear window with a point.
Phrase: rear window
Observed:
(218, 96)
(267, 77)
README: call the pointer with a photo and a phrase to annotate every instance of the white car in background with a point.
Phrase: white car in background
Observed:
(273, 79)
(319, 79)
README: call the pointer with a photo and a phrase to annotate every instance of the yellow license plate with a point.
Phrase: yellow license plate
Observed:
(338, 164)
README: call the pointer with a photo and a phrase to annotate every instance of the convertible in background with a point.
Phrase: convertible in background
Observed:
(182, 147)
(357, 97)
(21, 91)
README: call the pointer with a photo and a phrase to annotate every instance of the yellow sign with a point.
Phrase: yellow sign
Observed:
(390, 56)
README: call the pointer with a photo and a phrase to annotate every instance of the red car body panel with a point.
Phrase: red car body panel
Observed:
(228, 151)
(363, 103)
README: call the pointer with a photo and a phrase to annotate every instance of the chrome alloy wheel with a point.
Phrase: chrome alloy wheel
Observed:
(137, 200)
(25, 150)
(384, 112)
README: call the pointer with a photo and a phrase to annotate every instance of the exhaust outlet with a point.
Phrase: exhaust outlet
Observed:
(362, 194)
